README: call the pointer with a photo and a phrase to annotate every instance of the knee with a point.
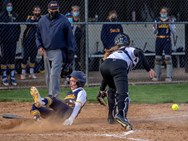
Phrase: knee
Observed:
(33, 108)
(158, 60)
(168, 59)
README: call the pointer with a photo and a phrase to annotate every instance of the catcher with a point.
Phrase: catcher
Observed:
(54, 107)
(118, 61)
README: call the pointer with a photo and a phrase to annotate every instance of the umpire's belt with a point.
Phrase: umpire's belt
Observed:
(163, 36)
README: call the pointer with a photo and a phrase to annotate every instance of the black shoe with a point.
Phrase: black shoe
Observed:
(101, 96)
(123, 121)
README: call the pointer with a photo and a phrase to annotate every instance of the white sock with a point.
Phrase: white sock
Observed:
(23, 71)
(31, 70)
(4, 73)
(42, 102)
(12, 73)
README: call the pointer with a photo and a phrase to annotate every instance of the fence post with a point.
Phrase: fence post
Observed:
(186, 48)
(87, 43)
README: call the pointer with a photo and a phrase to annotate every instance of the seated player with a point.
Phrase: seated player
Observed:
(54, 107)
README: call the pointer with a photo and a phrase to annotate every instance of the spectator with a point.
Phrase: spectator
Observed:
(55, 41)
(9, 35)
(29, 45)
(163, 43)
(110, 31)
(78, 34)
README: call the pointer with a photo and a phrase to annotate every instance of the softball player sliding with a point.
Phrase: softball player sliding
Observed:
(67, 109)
(119, 61)
(163, 43)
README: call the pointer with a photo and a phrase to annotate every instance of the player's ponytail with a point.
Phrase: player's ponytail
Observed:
(109, 51)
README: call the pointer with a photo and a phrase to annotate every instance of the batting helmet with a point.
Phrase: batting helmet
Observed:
(122, 40)
(80, 76)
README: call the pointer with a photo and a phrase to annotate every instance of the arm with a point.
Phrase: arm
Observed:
(103, 36)
(139, 53)
(1, 26)
(70, 41)
(155, 27)
(39, 38)
(121, 29)
(173, 28)
(39, 42)
(80, 101)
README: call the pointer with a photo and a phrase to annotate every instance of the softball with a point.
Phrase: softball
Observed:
(175, 107)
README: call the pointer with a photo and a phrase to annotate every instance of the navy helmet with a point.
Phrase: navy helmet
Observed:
(122, 39)
(80, 76)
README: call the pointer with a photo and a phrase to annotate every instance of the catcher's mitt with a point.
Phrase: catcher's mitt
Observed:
(100, 97)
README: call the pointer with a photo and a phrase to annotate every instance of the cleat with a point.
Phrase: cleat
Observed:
(168, 79)
(33, 76)
(124, 122)
(100, 97)
(5, 81)
(36, 97)
(22, 76)
(13, 81)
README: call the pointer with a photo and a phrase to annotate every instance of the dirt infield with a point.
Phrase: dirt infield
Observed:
(150, 122)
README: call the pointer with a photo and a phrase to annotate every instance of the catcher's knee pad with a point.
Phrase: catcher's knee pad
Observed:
(158, 60)
(168, 59)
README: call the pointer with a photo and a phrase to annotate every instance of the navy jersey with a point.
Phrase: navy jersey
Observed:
(163, 29)
(9, 32)
(79, 95)
(108, 34)
(30, 31)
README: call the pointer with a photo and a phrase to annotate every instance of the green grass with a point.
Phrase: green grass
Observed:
(163, 93)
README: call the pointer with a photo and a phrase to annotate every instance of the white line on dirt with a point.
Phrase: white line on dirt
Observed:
(160, 117)
(121, 136)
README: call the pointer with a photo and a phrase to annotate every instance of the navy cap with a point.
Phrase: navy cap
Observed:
(53, 5)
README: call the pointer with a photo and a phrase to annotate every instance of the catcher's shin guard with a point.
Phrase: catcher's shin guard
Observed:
(123, 104)
(169, 67)
(111, 105)
(158, 62)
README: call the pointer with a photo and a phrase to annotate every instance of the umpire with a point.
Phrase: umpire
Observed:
(114, 71)
(54, 38)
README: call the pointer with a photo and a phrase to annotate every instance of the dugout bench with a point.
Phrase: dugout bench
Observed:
(150, 57)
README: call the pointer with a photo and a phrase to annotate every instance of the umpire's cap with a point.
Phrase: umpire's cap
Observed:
(79, 75)
(53, 5)
(122, 39)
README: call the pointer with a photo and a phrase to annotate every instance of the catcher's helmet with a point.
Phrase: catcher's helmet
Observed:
(122, 40)
(80, 76)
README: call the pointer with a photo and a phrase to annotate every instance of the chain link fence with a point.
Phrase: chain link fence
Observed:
(134, 16)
